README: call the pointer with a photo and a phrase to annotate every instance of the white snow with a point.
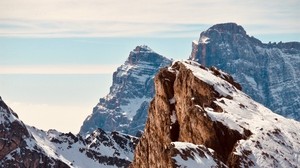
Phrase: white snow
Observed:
(6, 116)
(134, 104)
(173, 117)
(271, 133)
(204, 40)
(251, 81)
(70, 154)
(197, 161)
(195, 42)
(172, 101)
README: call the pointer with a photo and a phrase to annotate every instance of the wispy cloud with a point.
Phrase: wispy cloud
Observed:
(58, 69)
(94, 18)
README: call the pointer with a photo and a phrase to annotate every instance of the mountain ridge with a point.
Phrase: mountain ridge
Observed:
(199, 118)
(125, 107)
(26, 146)
(261, 68)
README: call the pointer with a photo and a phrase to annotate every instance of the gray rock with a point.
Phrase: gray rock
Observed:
(125, 107)
(269, 73)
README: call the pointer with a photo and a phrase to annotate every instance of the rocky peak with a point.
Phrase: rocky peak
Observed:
(142, 48)
(18, 148)
(199, 118)
(125, 107)
(231, 28)
(142, 54)
(25, 146)
(262, 69)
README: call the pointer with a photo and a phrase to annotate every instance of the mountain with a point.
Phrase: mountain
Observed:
(25, 146)
(269, 73)
(199, 117)
(125, 107)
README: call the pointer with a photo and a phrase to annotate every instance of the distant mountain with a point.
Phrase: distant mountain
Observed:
(199, 117)
(269, 73)
(24, 146)
(125, 107)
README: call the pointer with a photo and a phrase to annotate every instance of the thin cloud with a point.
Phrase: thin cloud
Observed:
(112, 18)
(58, 69)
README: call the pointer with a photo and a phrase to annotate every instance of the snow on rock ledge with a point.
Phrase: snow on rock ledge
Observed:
(25, 146)
(212, 111)
(125, 108)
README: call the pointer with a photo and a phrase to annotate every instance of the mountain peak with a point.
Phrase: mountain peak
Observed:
(198, 118)
(261, 68)
(125, 107)
(144, 54)
(228, 27)
(142, 48)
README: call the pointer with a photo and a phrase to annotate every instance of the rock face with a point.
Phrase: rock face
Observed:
(199, 117)
(24, 146)
(125, 107)
(17, 146)
(269, 73)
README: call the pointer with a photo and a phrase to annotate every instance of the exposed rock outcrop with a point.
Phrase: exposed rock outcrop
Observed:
(125, 108)
(199, 116)
(24, 146)
(269, 73)
(17, 146)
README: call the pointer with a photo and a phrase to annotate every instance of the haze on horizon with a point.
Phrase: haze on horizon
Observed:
(57, 57)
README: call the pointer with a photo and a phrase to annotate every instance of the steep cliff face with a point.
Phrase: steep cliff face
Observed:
(24, 146)
(200, 117)
(125, 107)
(268, 72)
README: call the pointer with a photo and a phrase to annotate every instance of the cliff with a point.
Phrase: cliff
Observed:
(200, 117)
(268, 72)
(125, 108)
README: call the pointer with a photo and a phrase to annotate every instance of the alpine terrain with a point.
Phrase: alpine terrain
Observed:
(269, 73)
(125, 107)
(186, 115)
(199, 117)
(25, 146)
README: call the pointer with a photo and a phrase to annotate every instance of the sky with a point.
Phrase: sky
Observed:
(57, 56)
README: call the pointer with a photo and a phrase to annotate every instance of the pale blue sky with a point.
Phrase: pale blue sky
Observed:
(57, 56)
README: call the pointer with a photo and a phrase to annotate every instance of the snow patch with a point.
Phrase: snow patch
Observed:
(204, 40)
(272, 134)
(133, 105)
(195, 160)
(173, 117)
(172, 101)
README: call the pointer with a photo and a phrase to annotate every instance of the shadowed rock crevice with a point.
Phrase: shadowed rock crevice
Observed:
(177, 113)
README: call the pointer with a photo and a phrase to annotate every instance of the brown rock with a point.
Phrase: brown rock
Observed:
(193, 125)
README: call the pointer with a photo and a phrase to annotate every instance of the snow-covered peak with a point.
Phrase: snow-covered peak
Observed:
(200, 117)
(125, 107)
(269, 134)
(25, 146)
(144, 54)
(268, 72)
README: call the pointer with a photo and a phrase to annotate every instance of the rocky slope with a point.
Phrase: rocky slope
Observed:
(199, 117)
(24, 146)
(17, 146)
(269, 73)
(125, 107)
